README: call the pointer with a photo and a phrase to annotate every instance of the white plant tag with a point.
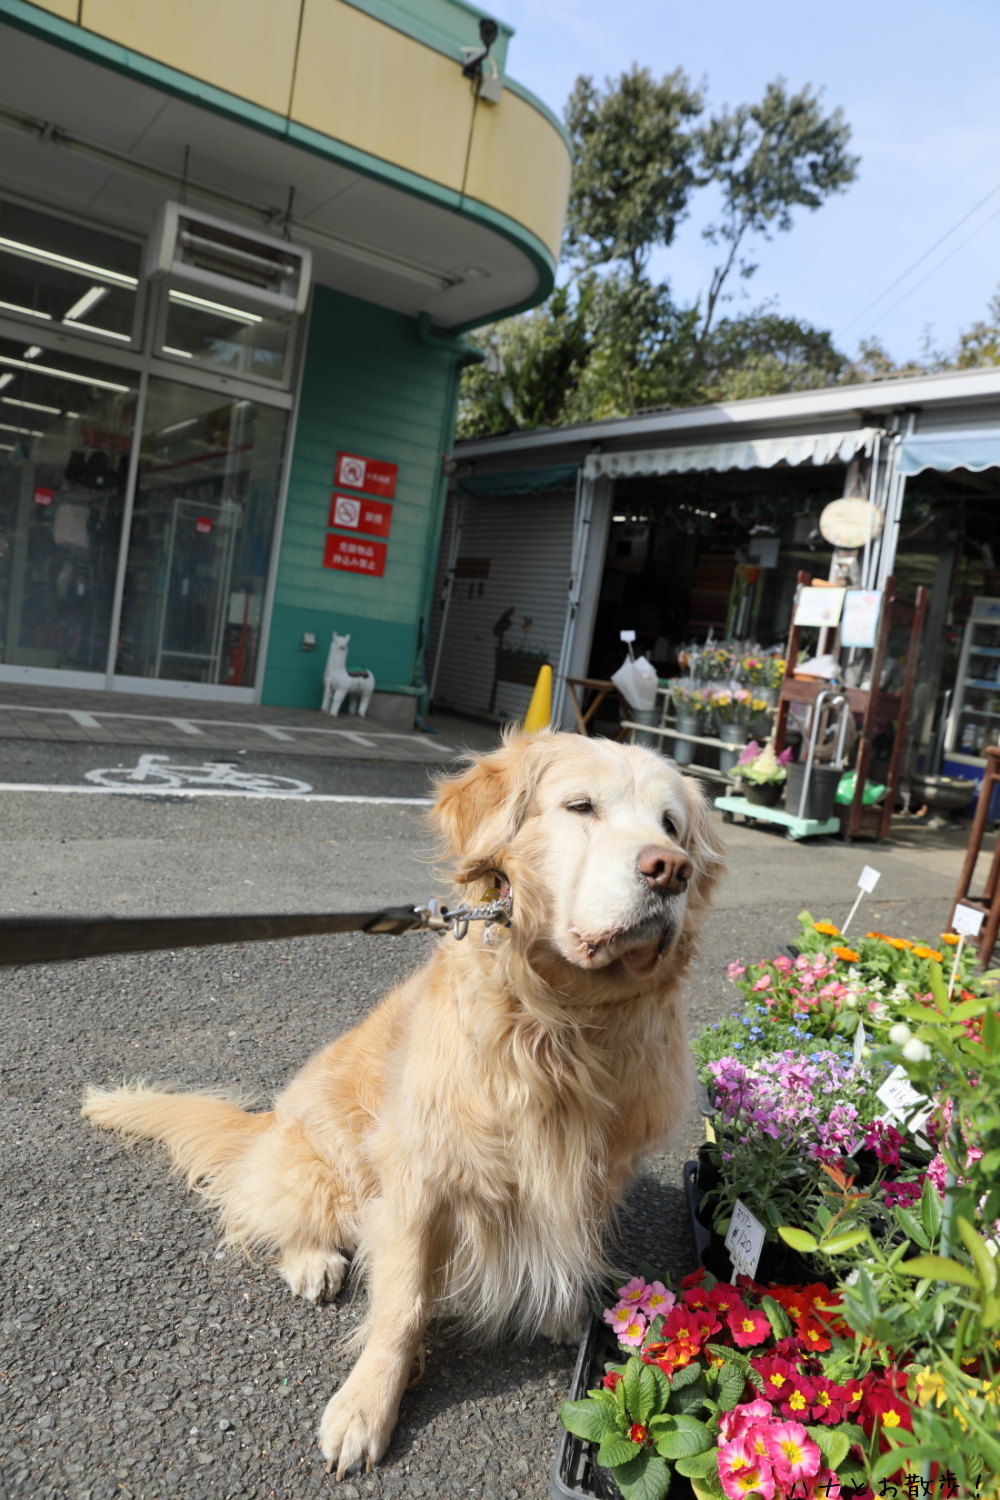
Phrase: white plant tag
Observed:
(869, 878)
(628, 636)
(860, 1037)
(967, 921)
(744, 1240)
(901, 1099)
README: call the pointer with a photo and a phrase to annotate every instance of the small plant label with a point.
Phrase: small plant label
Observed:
(867, 881)
(901, 1099)
(967, 921)
(744, 1240)
(860, 1038)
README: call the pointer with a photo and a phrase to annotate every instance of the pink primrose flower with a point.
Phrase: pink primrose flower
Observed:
(657, 1300)
(792, 1452)
(633, 1291)
(782, 963)
(743, 1472)
(763, 983)
(735, 970)
(737, 1421)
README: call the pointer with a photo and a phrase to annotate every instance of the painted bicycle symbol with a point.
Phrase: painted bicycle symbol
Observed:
(158, 772)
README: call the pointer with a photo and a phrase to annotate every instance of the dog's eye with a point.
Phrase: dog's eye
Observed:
(582, 805)
(669, 826)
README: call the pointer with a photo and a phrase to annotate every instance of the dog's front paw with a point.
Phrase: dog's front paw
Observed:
(354, 1430)
(316, 1275)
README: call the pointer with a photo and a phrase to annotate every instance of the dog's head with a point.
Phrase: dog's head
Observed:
(608, 849)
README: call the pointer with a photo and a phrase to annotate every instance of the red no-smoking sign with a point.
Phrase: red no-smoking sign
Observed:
(356, 513)
(354, 472)
(349, 556)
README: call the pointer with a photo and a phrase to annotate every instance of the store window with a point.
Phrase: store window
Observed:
(65, 276)
(65, 434)
(205, 506)
(225, 337)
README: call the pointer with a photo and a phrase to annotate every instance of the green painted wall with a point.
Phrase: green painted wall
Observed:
(372, 387)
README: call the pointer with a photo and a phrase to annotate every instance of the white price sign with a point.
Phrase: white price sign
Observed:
(745, 1240)
(628, 636)
(967, 921)
(867, 881)
(901, 1099)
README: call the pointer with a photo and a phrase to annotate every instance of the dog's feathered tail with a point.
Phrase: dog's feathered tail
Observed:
(202, 1132)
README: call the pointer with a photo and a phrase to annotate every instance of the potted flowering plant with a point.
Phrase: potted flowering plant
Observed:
(761, 774)
(743, 1389)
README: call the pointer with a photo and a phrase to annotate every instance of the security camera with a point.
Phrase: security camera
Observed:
(472, 58)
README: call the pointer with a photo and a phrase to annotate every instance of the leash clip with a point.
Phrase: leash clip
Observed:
(456, 919)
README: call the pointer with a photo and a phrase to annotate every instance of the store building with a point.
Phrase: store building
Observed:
(678, 523)
(240, 241)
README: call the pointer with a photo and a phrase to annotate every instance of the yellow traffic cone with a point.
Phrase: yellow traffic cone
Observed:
(539, 714)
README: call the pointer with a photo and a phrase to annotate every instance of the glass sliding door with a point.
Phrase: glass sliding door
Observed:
(200, 543)
(65, 434)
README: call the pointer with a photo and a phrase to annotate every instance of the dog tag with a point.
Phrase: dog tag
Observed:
(744, 1240)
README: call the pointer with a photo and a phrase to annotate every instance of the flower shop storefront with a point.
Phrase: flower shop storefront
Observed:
(839, 1334)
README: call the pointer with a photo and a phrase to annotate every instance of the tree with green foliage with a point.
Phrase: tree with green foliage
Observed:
(615, 342)
(636, 163)
(768, 159)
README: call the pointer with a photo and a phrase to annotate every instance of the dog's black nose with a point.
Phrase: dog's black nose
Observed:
(666, 870)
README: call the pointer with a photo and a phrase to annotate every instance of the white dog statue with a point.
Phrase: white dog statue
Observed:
(339, 683)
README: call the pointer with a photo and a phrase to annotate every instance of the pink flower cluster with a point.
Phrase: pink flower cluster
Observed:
(639, 1302)
(801, 1102)
(762, 1454)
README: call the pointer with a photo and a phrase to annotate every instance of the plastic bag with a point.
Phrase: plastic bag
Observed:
(847, 784)
(637, 682)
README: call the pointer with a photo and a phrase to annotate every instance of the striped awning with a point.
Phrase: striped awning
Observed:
(944, 451)
(742, 453)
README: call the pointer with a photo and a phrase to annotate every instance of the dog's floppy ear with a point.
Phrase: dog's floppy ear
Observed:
(479, 811)
(704, 847)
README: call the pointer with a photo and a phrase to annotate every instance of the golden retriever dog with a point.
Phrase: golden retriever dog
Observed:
(471, 1139)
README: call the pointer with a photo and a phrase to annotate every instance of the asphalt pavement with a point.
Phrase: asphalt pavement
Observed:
(140, 1360)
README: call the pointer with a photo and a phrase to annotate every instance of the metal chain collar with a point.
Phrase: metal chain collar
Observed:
(456, 919)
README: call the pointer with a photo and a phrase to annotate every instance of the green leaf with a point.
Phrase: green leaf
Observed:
(781, 1323)
(686, 1376)
(832, 1443)
(931, 1209)
(687, 1436)
(965, 1009)
(616, 1450)
(940, 1268)
(699, 1465)
(631, 1383)
(586, 1419)
(839, 1244)
(911, 1227)
(690, 1398)
(799, 1240)
(644, 1477)
(649, 1394)
(732, 1383)
(663, 1387)
(984, 1262)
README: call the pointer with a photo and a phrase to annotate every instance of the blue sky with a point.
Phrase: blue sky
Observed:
(919, 85)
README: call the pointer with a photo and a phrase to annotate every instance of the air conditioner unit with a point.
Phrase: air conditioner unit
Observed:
(213, 258)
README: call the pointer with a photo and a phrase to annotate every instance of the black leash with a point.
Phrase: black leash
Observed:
(50, 940)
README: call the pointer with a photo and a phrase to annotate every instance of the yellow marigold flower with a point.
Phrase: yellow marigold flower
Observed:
(847, 954)
(901, 943)
(951, 938)
(827, 929)
(922, 951)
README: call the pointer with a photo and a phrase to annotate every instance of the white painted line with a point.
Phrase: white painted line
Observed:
(85, 721)
(199, 791)
(185, 725)
(278, 734)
